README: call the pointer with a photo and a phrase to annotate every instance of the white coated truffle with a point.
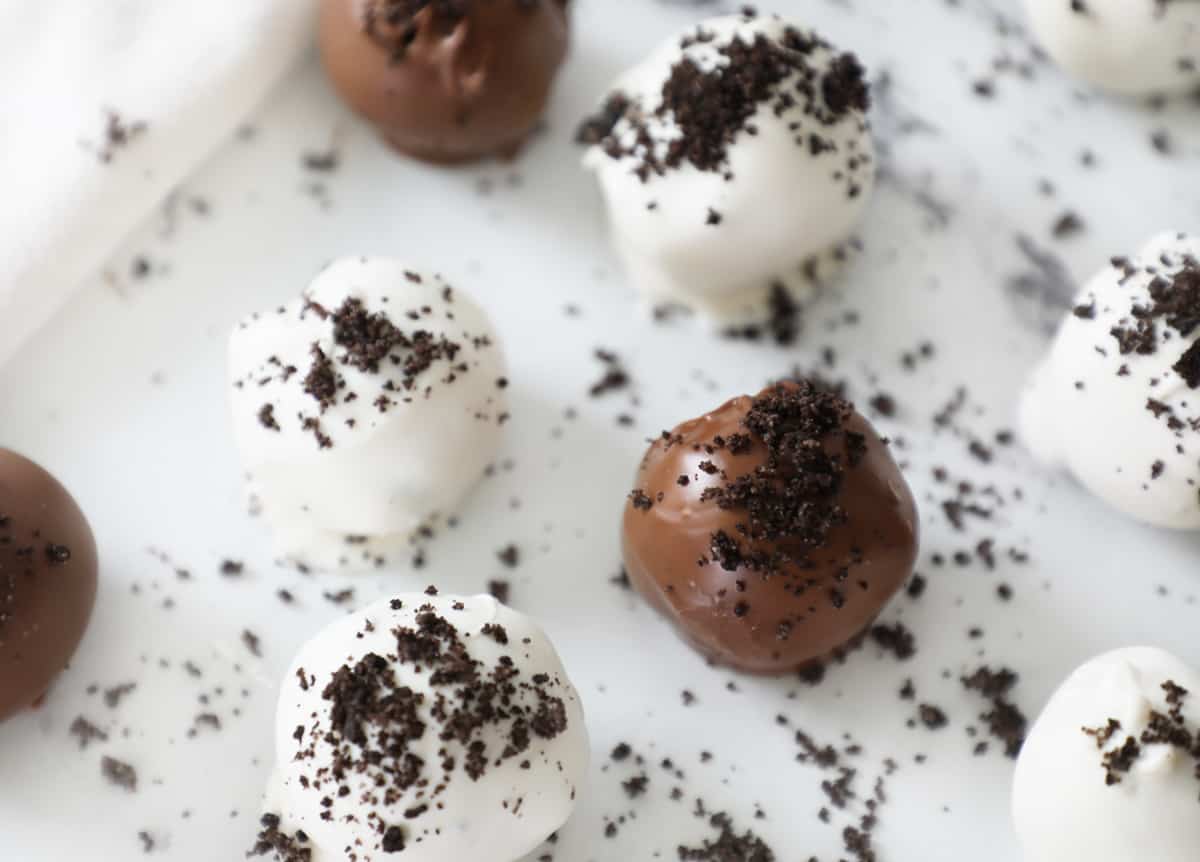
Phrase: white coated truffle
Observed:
(364, 408)
(1106, 774)
(731, 158)
(1117, 400)
(1130, 47)
(438, 728)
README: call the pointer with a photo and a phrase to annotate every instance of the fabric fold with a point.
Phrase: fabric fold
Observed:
(107, 106)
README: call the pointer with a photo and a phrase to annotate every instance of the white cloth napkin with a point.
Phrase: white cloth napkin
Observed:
(177, 77)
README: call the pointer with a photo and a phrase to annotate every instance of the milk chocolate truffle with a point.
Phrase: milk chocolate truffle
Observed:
(446, 80)
(47, 580)
(772, 530)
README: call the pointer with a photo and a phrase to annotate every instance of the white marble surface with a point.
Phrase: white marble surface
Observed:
(123, 397)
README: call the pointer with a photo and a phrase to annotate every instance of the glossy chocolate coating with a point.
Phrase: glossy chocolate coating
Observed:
(47, 580)
(822, 599)
(456, 81)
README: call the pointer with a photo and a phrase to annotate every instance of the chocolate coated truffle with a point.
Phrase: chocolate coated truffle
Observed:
(440, 728)
(365, 410)
(446, 80)
(47, 580)
(1114, 402)
(772, 530)
(735, 158)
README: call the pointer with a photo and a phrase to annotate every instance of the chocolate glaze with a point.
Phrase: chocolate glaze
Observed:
(446, 80)
(47, 580)
(825, 588)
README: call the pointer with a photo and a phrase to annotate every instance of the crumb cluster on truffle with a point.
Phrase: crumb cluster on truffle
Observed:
(24, 553)
(790, 501)
(1174, 294)
(395, 24)
(1163, 727)
(1163, 316)
(711, 105)
(391, 351)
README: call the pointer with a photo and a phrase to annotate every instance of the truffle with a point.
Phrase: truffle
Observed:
(445, 727)
(731, 159)
(1129, 47)
(1117, 399)
(48, 574)
(445, 80)
(364, 409)
(771, 531)
(1111, 770)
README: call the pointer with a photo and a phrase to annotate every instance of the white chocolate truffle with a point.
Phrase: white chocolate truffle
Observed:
(1117, 400)
(731, 158)
(1129, 47)
(441, 725)
(1106, 774)
(364, 408)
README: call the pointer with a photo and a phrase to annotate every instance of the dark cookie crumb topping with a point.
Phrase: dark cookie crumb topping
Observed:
(790, 501)
(714, 106)
(1167, 727)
